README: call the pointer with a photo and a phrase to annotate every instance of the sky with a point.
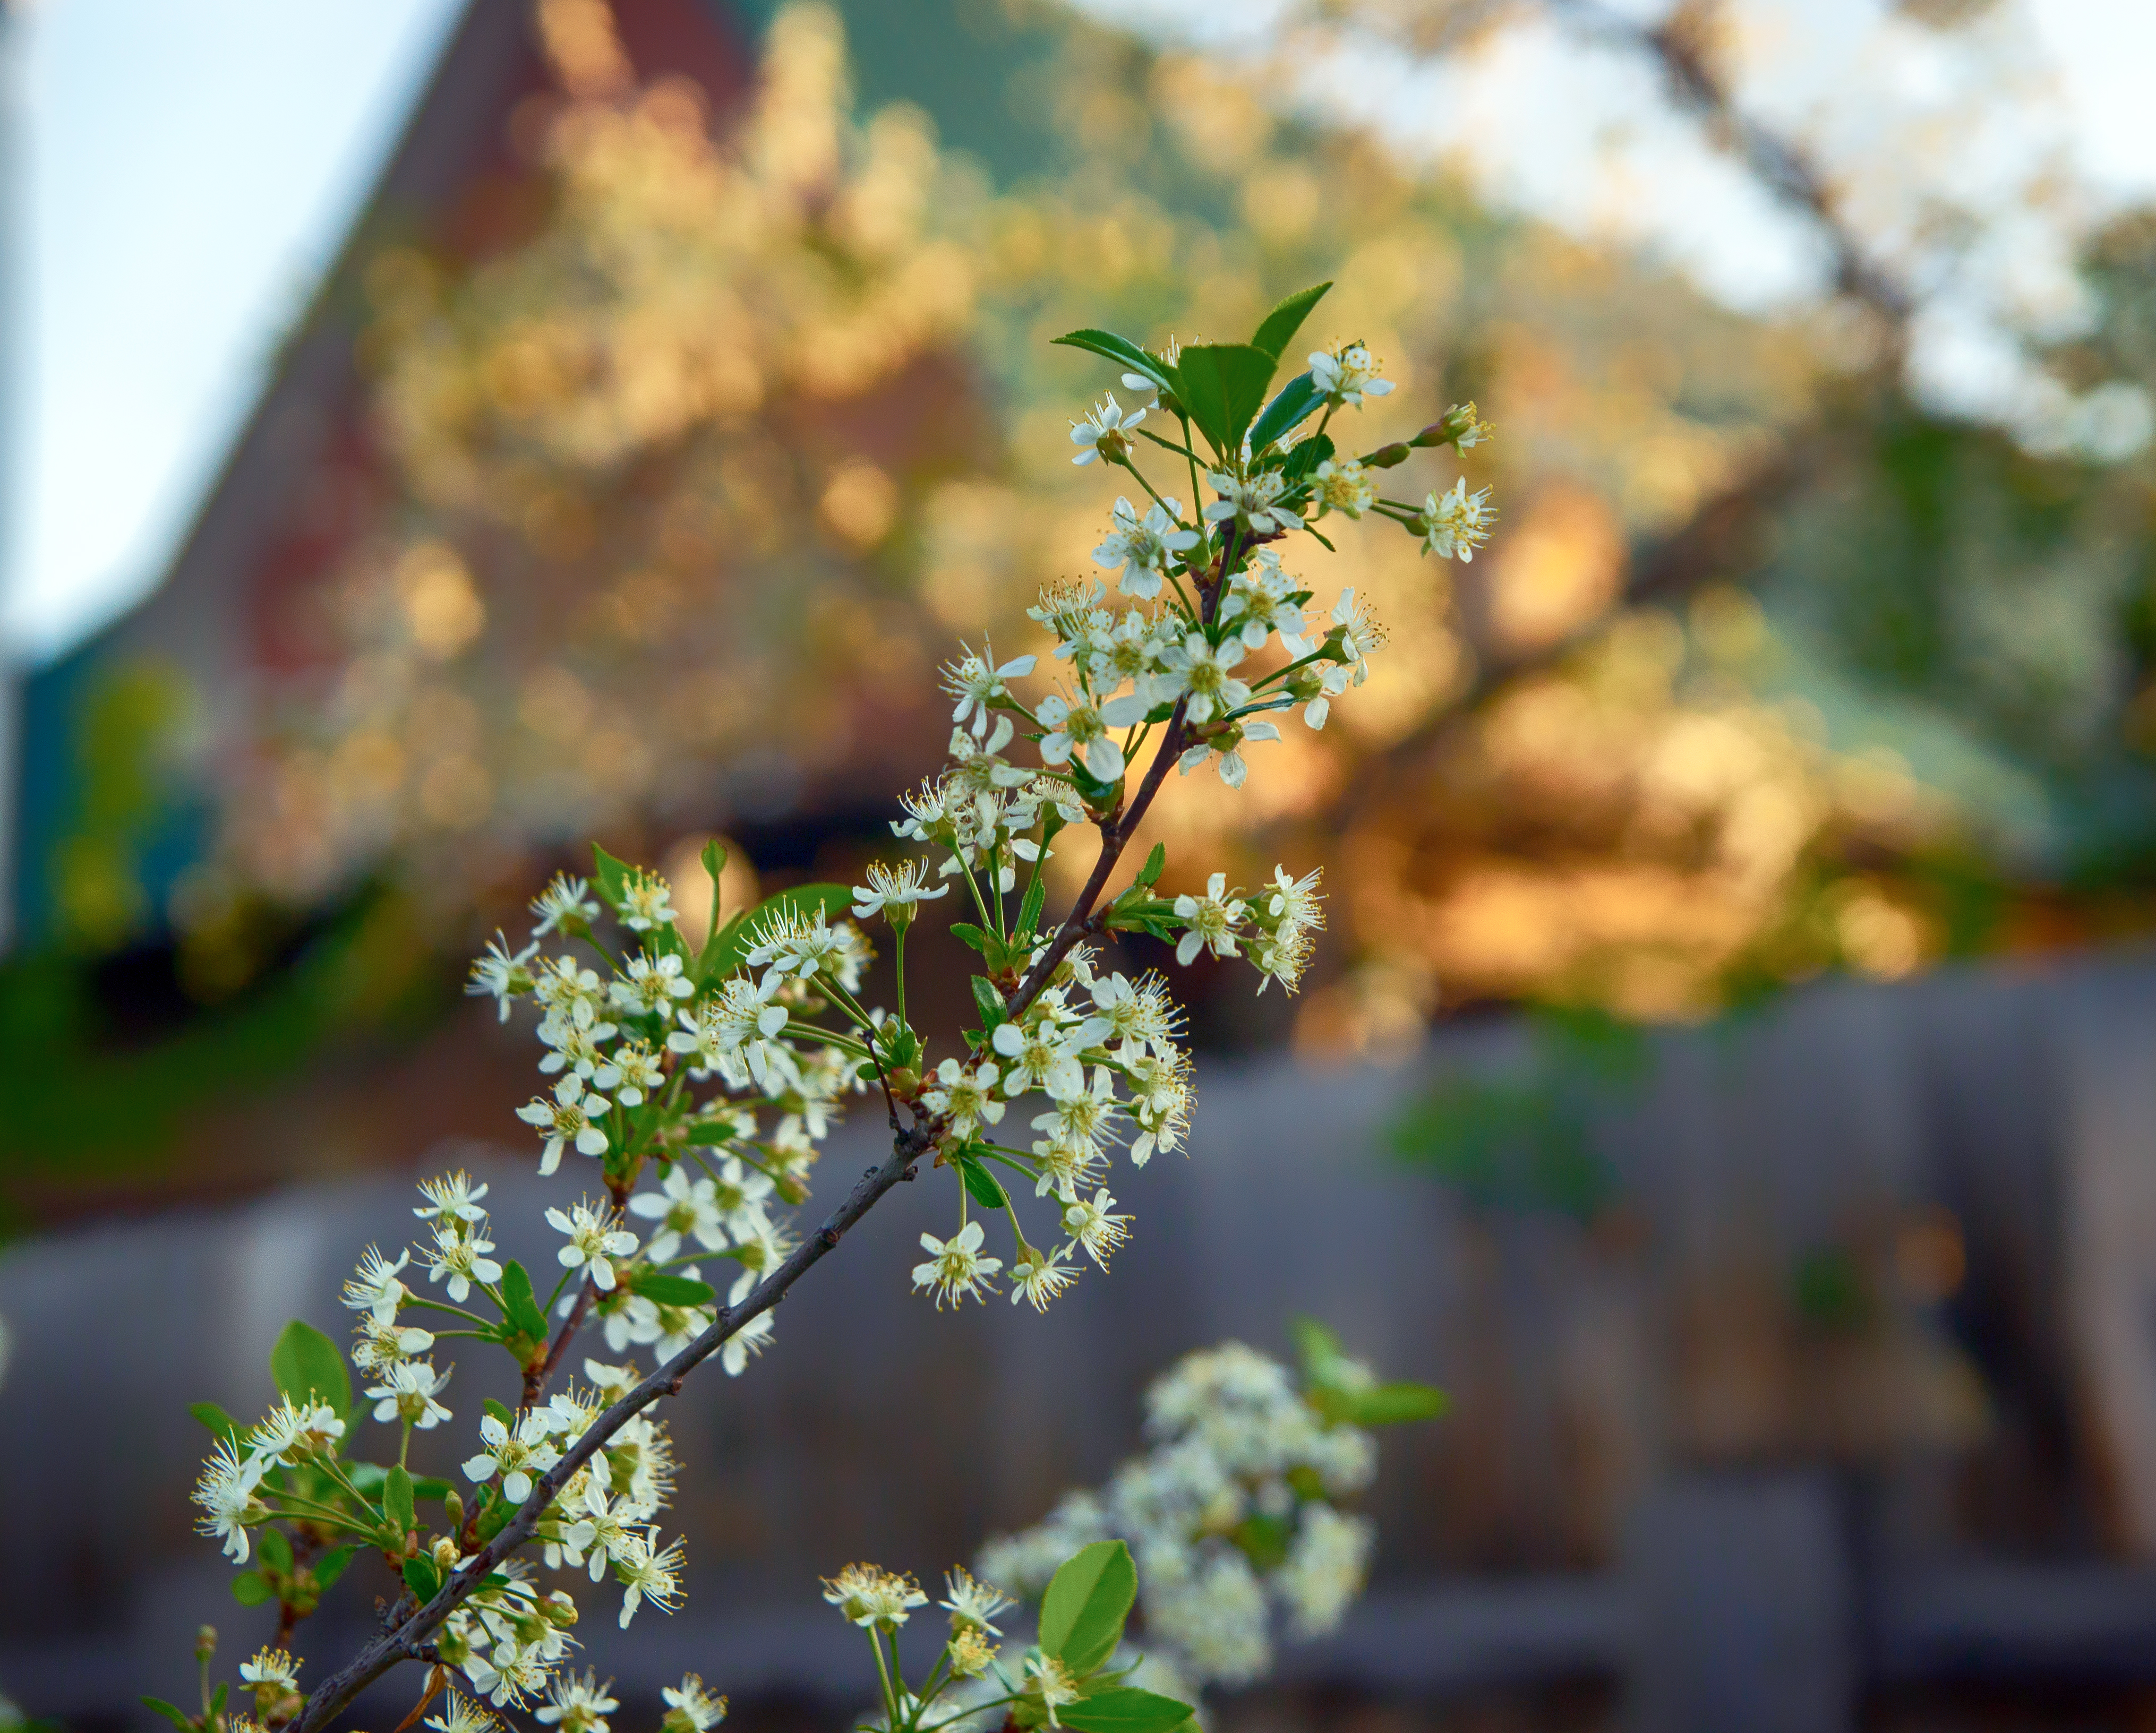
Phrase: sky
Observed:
(173, 178)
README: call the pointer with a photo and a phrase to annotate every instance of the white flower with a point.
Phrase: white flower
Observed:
(971, 1603)
(1105, 432)
(569, 1118)
(1344, 485)
(1040, 1276)
(1211, 920)
(738, 1023)
(650, 1576)
(895, 893)
(751, 1339)
(1325, 1568)
(652, 984)
(374, 1288)
(226, 1493)
(1092, 1227)
(407, 1392)
(459, 1716)
(1349, 375)
(1250, 503)
(596, 1240)
(1296, 902)
(577, 1705)
(1140, 1015)
(382, 1345)
(976, 682)
(632, 1073)
(503, 974)
(1048, 1679)
(965, 1098)
(682, 1205)
(564, 899)
(1142, 547)
(508, 1673)
(741, 1190)
(1224, 751)
(1078, 728)
(759, 1251)
(1282, 957)
(1455, 524)
(956, 1266)
(515, 1456)
(1083, 1120)
(458, 1252)
(271, 1667)
(691, 1708)
(452, 1195)
(788, 944)
(567, 989)
(293, 1429)
(647, 901)
(871, 1597)
(574, 1046)
(1037, 1057)
(1204, 672)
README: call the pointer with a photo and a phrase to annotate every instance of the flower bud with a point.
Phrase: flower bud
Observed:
(1387, 457)
(205, 1643)
(453, 1506)
(1460, 427)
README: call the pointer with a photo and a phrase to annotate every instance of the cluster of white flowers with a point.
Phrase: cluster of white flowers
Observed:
(698, 1074)
(1231, 1513)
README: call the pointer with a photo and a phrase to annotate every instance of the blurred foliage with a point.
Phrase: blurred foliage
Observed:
(132, 720)
(684, 480)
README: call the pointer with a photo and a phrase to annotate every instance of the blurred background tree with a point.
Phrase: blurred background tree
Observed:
(1819, 635)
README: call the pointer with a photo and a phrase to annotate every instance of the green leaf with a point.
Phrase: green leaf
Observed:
(397, 1500)
(1307, 457)
(216, 1699)
(326, 1569)
(710, 1134)
(1114, 348)
(1028, 913)
(423, 1579)
(1287, 411)
(221, 1424)
(968, 934)
(672, 1289)
(306, 1362)
(1156, 864)
(715, 863)
(1323, 1359)
(251, 1588)
(1264, 1539)
(276, 1551)
(1280, 326)
(991, 1004)
(724, 950)
(981, 1184)
(521, 1303)
(1223, 384)
(1091, 1595)
(178, 1717)
(613, 875)
(501, 1412)
(1396, 1404)
(1126, 1710)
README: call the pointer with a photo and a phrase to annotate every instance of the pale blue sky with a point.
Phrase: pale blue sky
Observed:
(181, 169)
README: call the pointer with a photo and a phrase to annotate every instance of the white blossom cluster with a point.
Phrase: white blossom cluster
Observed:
(1232, 1513)
(693, 1076)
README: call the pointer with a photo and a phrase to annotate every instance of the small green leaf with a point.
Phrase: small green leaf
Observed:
(423, 1579)
(326, 1569)
(1127, 1709)
(710, 1134)
(1288, 409)
(981, 1184)
(221, 1424)
(672, 1289)
(501, 1412)
(967, 934)
(178, 1717)
(991, 1004)
(724, 950)
(1223, 385)
(613, 875)
(1397, 1404)
(305, 1362)
(1264, 1539)
(1156, 864)
(521, 1303)
(397, 1500)
(1089, 1597)
(1114, 348)
(1322, 1357)
(276, 1551)
(1280, 326)
(715, 863)
(251, 1588)
(1028, 913)
(1307, 457)
(217, 1700)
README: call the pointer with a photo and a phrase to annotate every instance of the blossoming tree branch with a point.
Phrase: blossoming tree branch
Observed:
(689, 1078)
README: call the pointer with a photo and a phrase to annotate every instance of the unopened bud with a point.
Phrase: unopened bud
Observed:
(1387, 457)
(558, 1610)
(905, 1083)
(444, 1554)
(205, 1643)
(453, 1507)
